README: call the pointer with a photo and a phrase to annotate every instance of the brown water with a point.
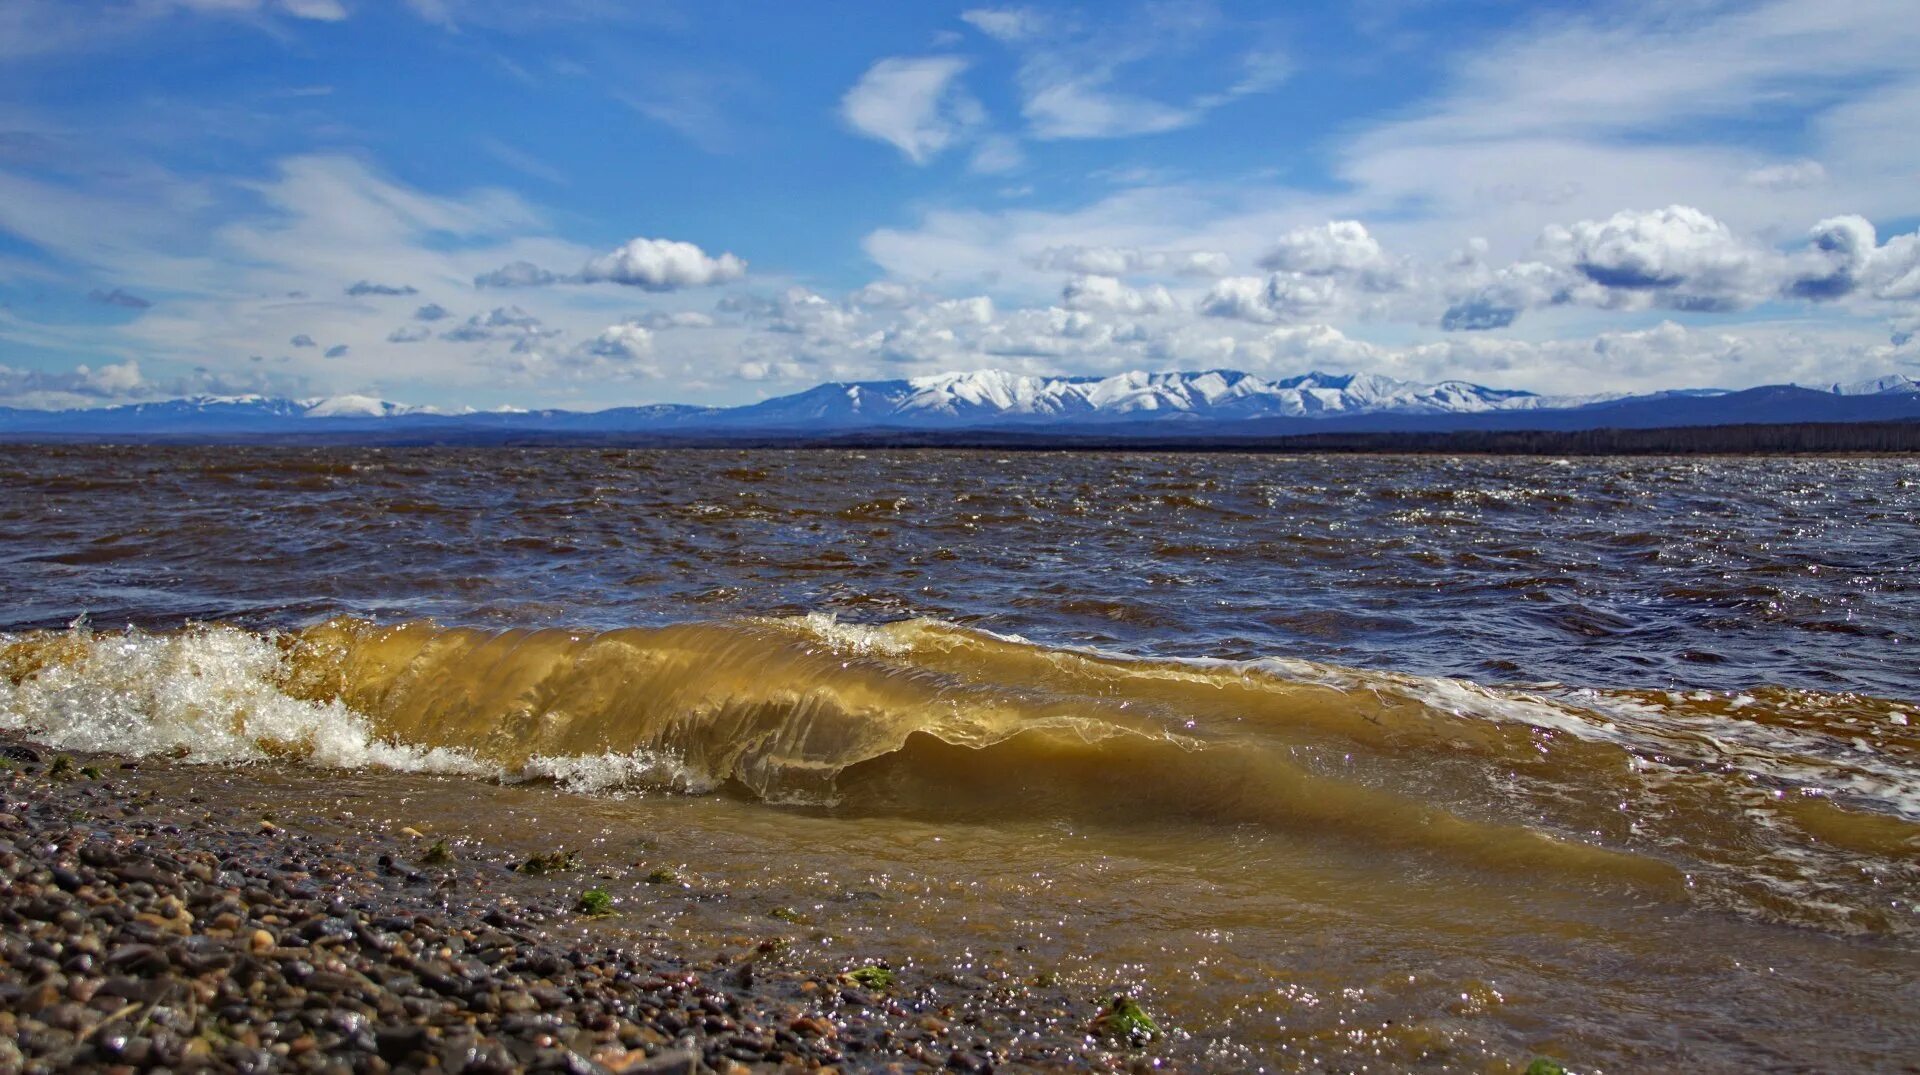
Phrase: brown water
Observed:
(1337, 762)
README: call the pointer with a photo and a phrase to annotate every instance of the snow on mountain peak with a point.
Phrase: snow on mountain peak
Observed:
(355, 406)
(1893, 383)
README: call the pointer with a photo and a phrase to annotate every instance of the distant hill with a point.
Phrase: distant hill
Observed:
(1161, 406)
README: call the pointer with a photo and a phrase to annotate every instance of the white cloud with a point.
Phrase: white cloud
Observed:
(1521, 286)
(995, 154)
(366, 288)
(662, 265)
(1109, 294)
(916, 105)
(320, 10)
(1678, 257)
(1131, 261)
(671, 319)
(884, 294)
(1070, 72)
(517, 274)
(626, 342)
(1276, 334)
(1895, 269)
(1008, 25)
(1282, 296)
(84, 386)
(1083, 106)
(1338, 246)
(1793, 175)
(38, 27)
(507, 323)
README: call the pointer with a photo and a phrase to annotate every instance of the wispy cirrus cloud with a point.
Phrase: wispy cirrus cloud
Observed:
(915, 104)
(1073, 68)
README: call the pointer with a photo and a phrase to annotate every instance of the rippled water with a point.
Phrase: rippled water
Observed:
(1336, 759)
(1716, 573)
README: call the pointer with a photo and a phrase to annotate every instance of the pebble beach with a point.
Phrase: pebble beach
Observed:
(148, 930)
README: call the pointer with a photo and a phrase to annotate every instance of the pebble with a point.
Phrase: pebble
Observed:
(191, 935)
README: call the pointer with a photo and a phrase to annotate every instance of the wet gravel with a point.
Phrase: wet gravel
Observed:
(144, 929)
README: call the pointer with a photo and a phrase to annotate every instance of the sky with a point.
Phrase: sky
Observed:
(588, 203)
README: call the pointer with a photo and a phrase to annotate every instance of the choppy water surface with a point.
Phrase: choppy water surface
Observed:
(1337, 760)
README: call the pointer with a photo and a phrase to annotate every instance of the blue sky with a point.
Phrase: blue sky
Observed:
(584, 203)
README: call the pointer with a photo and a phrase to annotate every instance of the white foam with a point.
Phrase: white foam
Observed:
(208, 694)
(599, 773)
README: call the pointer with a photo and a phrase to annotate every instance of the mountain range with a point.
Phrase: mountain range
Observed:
(1211, 402)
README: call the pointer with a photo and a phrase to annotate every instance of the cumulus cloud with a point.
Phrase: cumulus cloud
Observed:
(884, 294)
(914, 104)
(1109, 294)
(1839, 252)
(506, 323)
(1283, 296)
(626, 341)
(516, 274)
(1521, 286)
(662, 265)
(1338, 246)
(303, 340)
(119, 297)
(1894, 269)
(1677, 257)
(770, 371)
(1681, 258)
(432, 311)
(1477, 315)
(617, 352)
(84, 385)
(363, 288)
(409, 334)
(648, 264)
(338, 350)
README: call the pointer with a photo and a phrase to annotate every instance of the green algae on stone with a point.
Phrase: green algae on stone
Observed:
(1546, 1065)
(871, 976)
(542, 865)
(662, 875)
(439, 854)
(1124, 1018)
(595, 903)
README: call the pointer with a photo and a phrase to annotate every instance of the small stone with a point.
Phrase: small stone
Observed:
(260, 942)
(671, 1062)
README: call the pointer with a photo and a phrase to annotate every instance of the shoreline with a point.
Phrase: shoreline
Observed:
(144, 928)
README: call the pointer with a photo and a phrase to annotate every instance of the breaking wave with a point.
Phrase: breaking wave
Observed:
(1791, 804)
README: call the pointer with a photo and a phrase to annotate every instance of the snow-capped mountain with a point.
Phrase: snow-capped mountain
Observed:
(352, 406)
(1892, 384)
(998, 396)
(1224, 401)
